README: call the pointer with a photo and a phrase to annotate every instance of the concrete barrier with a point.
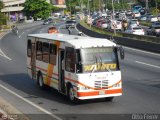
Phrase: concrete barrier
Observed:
(152, 44)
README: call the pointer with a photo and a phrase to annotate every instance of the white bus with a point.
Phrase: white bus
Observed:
(79, 67)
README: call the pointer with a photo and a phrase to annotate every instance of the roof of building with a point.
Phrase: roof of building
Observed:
(76, 41)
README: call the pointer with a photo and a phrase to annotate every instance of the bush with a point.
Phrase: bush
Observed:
(3, 19)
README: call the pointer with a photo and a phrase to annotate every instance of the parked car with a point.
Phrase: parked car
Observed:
(129, 12)
(158, 17)
(135, 30)
(52, 30)
(143, 18)
(104, 24)
(155, 24)
(152, 18)
(117, 25)
(136, 15)
(153, 31)
(133, 23)
(122, 16)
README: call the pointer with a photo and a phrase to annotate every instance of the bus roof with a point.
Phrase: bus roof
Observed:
(76, 41)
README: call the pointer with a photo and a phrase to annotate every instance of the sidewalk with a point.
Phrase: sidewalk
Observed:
(8, 112)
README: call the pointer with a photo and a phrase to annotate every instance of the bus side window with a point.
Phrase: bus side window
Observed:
(53, 53)
(29, 48)
(70, 60)
(46, 52)
(39, 50)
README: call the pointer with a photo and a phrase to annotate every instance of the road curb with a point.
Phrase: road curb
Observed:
(2, 34)
(9, 112)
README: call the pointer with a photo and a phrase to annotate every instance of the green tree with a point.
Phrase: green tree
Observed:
(37, 9)
(3, 18)
(71, 4)
(1, 5)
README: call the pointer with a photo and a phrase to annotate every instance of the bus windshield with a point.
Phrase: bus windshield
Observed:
(99, 59)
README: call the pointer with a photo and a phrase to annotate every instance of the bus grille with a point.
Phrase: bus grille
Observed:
(101, 84)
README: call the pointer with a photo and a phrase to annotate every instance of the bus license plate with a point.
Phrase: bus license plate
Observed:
(102, 92)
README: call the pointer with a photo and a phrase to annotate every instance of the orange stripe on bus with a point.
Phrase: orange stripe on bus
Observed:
(75, 81)
(95, 93)
(92, 87)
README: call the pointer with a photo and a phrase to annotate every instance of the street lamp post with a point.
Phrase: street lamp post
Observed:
(147, 6)
(113, 17)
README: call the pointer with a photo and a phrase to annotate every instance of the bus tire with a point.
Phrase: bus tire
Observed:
(70, 94)
(40, 82)
(109, 99)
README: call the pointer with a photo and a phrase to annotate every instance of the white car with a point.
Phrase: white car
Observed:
(153, 19)
(136, 15)
(135, 30)
(117, 25)
(158, 17)
(104, 25)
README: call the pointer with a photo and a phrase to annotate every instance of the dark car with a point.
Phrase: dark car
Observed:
(70, 23)
(45, 22)
(50, 20)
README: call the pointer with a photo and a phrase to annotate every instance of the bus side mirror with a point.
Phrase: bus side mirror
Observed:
(121, 50)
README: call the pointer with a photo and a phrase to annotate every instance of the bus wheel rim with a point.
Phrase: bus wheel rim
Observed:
(71, 94)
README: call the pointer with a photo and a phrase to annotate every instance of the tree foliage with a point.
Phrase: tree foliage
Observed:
(3, 18)
(37, 9)
(1, 5)
(96, 4)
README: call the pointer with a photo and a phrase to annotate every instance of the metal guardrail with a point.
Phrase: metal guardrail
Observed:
(141, 42)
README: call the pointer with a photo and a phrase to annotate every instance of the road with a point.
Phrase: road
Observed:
(140, 74)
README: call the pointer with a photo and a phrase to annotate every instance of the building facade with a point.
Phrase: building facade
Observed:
(13, 8)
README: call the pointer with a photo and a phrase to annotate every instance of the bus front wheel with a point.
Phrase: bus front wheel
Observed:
(71, 95)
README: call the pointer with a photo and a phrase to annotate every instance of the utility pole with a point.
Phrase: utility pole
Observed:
(156, 7)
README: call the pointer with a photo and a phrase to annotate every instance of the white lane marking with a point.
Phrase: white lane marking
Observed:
(147, 64)
(19, 36)
(22, 33)
(4, 55)
(142, 51)
(31, 103)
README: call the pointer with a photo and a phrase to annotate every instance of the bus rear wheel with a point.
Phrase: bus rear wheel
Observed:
(40, 82)
(109, 99)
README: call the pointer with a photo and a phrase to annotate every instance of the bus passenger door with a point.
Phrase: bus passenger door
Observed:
(33, 61)
(61, 71)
